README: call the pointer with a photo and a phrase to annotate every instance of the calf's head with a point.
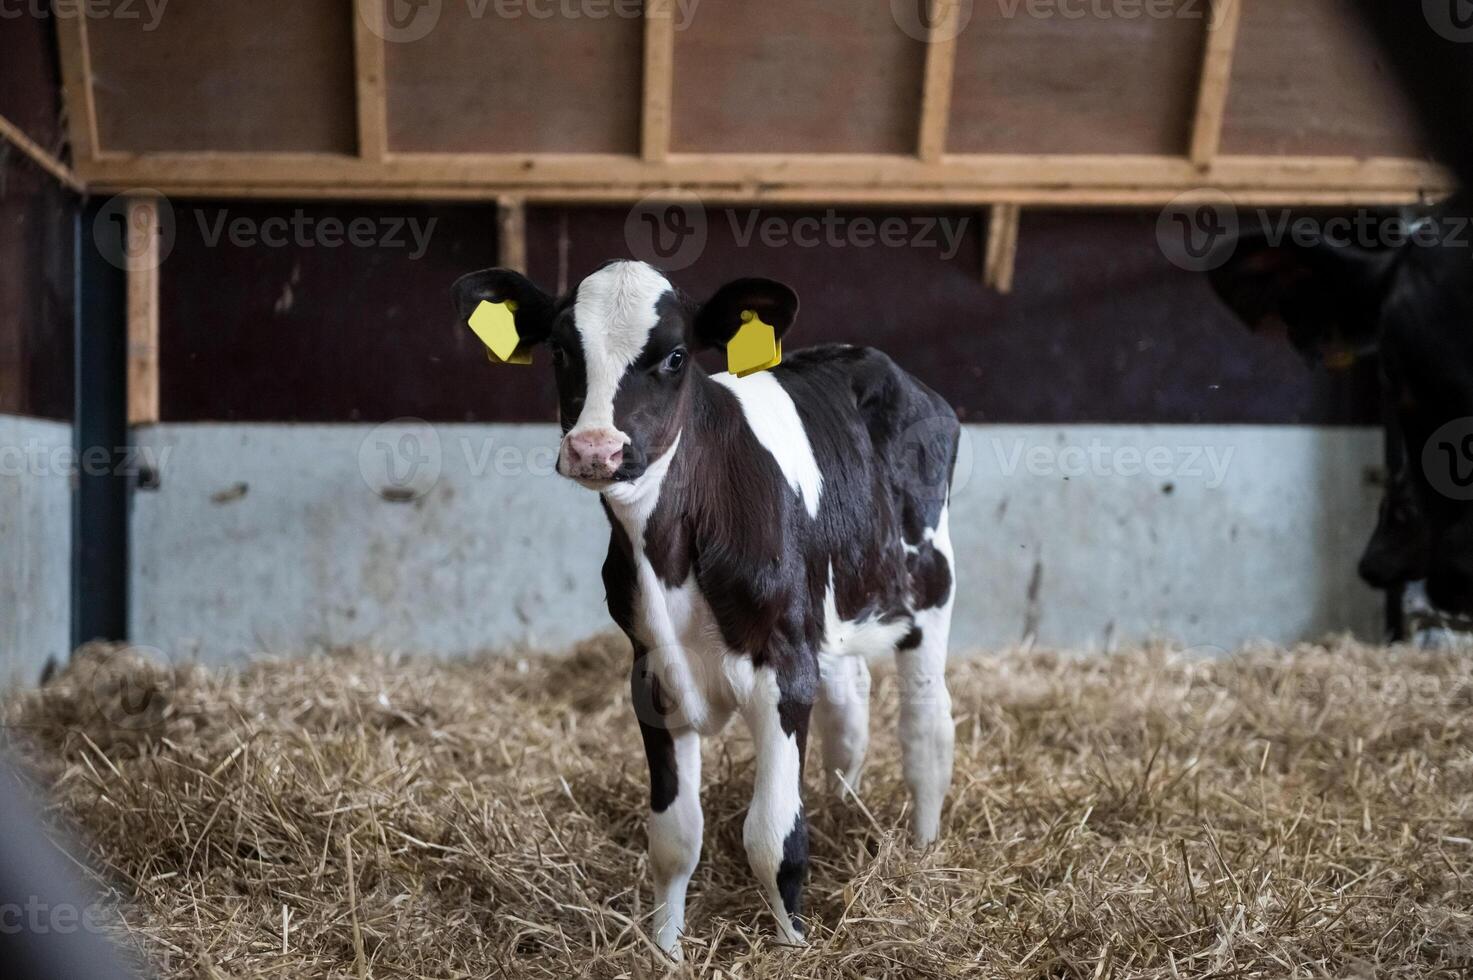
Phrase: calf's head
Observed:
(1413, 304)
(621, 346)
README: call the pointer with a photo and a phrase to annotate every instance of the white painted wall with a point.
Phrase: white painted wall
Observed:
(272, 538)
(35, 546)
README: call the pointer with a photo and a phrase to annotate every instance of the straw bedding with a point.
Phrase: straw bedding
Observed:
(1275, 813)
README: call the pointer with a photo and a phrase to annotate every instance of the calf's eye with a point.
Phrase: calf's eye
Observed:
(674, 361)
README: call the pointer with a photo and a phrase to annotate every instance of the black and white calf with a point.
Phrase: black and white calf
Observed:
(767, 534)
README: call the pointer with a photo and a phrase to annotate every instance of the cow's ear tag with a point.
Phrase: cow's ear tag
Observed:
(496, 326)
(754, 348)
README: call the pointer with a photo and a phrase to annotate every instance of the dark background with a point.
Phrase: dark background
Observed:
(1100, 327)
(36, 231)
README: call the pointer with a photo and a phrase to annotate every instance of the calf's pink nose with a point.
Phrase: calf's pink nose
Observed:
(596, 453)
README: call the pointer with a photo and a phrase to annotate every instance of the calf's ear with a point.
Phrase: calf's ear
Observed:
(534, 311)
(1322, 294)
(719, 318)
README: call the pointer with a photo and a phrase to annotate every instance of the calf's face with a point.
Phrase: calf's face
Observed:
(620, 346)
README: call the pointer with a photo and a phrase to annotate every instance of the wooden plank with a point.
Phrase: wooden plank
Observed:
(1217, 71)
(13, 134)
(659, 79)
(832, 175)
(76, 73)
(940, 71)
(747, 194)
(1309, 79)
(143, 311)
(816, 76)
(511, 240)
(255, 77)
(1002, 247)
(1061, 76)
(368, 69)
(515, 76)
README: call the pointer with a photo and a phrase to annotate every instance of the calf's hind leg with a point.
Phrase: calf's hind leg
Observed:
(927, 734)
(841, 716)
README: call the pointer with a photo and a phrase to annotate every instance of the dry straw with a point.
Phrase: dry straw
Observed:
(1272, 814)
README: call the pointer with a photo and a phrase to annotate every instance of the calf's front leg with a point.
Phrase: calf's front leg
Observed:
(675, 822)
(776, 829)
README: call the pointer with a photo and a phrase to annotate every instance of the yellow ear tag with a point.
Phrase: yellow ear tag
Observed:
(754, 348)
(495, 325)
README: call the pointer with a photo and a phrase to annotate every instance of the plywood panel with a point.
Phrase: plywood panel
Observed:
(268, 75)
(1306, 80)
(1032, 78)
(494, 78)
(818, 76)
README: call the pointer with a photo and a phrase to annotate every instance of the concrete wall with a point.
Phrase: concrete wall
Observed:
(35, 546)
(454, 538)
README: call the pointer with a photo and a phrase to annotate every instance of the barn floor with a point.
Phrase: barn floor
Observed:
(1300, 813)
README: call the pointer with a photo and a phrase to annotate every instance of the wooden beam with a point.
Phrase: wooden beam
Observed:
(368, 65)
(143, 310)
(659, 79)
(511, 240)
(17, 138)
(935, 115)
(1217, 73)
(1082, 196)
(76, 75)
(1002, 247)
(829, 175)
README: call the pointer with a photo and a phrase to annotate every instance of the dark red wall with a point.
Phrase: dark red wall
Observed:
(36, 222)
(1100, 327)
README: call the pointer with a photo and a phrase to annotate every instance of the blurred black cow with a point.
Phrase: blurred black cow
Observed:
(1412, 303)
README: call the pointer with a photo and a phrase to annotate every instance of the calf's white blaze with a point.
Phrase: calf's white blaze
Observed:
(614, 314)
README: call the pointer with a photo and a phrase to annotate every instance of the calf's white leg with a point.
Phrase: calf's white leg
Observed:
(841, 716)
(675, 841)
